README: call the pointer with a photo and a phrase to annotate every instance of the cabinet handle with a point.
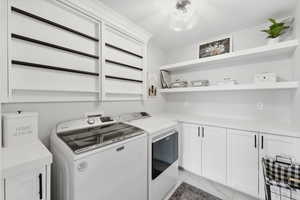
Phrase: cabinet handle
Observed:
(41, 186)
(120, 148)
(255, 141)
(262, 142)
(202, 131)
(198, 131)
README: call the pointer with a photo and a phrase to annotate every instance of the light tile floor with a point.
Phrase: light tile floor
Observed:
(218, 190)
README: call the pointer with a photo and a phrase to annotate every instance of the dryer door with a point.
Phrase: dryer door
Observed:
(164, 153)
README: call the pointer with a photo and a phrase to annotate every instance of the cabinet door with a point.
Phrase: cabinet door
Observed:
(243, 161)
(191, 149)
(272, 145)
(214, 153)
(27, 186)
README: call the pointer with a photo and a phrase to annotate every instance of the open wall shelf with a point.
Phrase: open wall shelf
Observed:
(268, 52)
(241, 87)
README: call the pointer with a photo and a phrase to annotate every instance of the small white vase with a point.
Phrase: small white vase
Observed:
(272, 41)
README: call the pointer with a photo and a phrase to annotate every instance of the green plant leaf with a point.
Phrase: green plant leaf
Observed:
(272, 21)
(276, 29)
(280, 24)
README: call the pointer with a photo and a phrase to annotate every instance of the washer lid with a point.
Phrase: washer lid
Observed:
(87, 139)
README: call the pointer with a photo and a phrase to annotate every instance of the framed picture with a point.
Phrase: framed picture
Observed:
(217, 47)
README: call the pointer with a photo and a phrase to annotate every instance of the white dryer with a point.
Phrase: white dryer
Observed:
(99, 159)
(163, 147)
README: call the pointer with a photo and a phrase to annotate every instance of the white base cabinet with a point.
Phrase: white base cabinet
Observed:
(29, 185)
(273, 145)
(214, 155)
(204, 151)
(233, 157)
(192, 148)
(26, 172)
(243, 164)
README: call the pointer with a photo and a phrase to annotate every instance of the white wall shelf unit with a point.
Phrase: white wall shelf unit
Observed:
(267, 52)
(46, 90)
(64, 51)
(53, 55)
(241, 87)
(123, 66)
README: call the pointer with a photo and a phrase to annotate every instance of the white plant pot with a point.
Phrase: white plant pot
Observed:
(272, 41)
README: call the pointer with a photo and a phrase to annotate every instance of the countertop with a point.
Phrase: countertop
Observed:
(276, 128)
(154, 124)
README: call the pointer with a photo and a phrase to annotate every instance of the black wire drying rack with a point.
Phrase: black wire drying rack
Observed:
(281, 178)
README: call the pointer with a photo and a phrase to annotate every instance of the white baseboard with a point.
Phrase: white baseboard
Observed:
(173, 190)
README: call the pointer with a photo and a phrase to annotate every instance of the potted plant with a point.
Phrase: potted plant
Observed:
(275, 31)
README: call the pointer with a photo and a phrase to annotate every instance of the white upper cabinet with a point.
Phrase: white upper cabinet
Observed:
(214, 153)
(192, 148)
(243, 161)
(124, 66)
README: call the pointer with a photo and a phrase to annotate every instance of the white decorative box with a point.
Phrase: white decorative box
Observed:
(265, 78)
(19, 128)
(200, 83)
(227, 81)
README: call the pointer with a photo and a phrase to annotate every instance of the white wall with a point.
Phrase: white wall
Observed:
(276, 104)
(96, 7)
(52, 113)
(296, 69)
(240, 41)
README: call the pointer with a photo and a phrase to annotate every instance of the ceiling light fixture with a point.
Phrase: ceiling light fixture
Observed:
(181, 17)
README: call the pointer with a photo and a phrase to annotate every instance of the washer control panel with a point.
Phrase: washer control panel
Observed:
(106, 119)
(83, 123)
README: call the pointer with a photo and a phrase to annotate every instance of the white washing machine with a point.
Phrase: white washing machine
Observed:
(162, 152)
(99, 159)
